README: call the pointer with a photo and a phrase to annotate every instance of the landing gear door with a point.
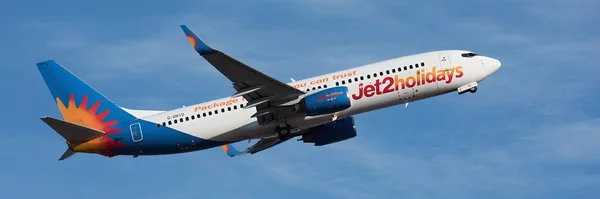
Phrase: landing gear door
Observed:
(444, 60)
(136, 132)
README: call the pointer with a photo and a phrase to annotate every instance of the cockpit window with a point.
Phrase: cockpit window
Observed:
(469, 54)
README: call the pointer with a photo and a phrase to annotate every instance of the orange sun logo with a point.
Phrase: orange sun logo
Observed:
(192, 40)
(88, 117)
(82, 116)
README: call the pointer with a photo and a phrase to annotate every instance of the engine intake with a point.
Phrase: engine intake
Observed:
(331, 132)
(327, 101)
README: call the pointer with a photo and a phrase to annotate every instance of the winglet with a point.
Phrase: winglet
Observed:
(231, 151)
(199, 45)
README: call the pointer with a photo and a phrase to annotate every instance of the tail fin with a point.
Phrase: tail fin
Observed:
(78, 102)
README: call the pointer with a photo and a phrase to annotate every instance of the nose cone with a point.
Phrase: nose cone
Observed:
(495, 64)
(492, 64)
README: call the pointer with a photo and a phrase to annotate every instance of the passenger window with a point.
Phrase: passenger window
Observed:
(234, 107)
(343, 82)
(325, 86)
(356, 79)
(349, 81)
(319, 87)
(198, 116)
(387, 72)
(416, 65)
(170, 123)
(405, 68)
(164, 124)
(422, 63)
(313, 88)
(180, 119)
(229, 108)
(362, 78)
(410, 67)
(241, 105)
(307, 90)
(222, 110)
(187, 119)
(157, 125)
(193, 117)
(394, 70)
(337, 83)
(368, 76)
(210, 113)
(216, 112)
(175, 121)
(374, 74)
(381, 73)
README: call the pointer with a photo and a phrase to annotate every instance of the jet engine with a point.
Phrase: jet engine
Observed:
(327, 101)
(331, 132)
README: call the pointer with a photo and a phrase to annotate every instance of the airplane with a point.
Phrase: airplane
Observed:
(318, 110)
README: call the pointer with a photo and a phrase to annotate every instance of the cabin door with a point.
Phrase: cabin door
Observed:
(444, 60)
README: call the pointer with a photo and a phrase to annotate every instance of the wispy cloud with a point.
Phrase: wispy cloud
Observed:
(562, 11)
(522, 169)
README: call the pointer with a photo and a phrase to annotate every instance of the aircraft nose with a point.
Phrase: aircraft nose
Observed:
(492, 63)
(495, 63)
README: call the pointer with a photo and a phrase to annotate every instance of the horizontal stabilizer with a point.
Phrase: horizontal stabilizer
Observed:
(74, 134)
(67, 154)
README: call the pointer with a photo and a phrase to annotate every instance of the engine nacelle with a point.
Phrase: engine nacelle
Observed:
(327, 101)
(331, 132)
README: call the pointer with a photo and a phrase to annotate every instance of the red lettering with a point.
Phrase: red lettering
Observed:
(360, 92)
(369, 91)
(410, 81)
(423, 77)
(388, 87)
(459, 72)
(430, 76)
(441, 76)
(450, 74)
(377, 90)
(418, 77)
(398, 81)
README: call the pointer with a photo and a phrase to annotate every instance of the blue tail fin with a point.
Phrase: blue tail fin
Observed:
(78, 102)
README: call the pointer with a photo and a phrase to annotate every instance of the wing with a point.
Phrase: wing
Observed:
(260, 90)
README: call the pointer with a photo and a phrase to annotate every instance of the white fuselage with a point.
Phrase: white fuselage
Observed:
(374, 86)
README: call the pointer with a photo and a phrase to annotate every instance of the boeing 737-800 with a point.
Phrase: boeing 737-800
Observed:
(319, 110)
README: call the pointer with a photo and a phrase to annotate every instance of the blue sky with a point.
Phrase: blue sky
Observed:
(531, 131)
